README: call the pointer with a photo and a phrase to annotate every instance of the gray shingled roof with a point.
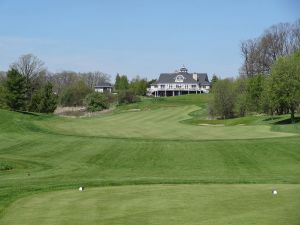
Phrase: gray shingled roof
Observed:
(102, 85)
(170, 78)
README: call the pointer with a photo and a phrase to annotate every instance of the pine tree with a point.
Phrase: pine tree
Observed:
(124, 84)
(214, 80)
(16, 90)
(117, 83)
(48, 100)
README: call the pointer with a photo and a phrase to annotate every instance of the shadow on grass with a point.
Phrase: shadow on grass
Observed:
(287, 121)
(272, 118)
(28, 113)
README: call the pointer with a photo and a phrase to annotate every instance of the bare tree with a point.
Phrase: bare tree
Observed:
(93, 79)
(250, 54)
(62, 80)
(32, 68)
(296, 35)
(67, 78)
(29, 66)
(2, 76)
(260, 54)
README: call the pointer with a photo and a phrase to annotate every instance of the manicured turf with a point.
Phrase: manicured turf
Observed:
(156, 145)
(162, 123)
(161, 204)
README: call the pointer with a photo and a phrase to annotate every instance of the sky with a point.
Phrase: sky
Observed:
(137, 37)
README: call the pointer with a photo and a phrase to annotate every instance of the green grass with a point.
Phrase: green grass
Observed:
(160, 204)
(215, 174)
(163, 123)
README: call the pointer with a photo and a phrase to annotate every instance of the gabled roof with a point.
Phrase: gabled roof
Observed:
(103, 85)
(188, 78)
(171, 77)
(202, 77)
(205, 83)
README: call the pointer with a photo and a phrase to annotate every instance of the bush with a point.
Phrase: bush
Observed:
(128, 96)
(75, 94)
(98, 101)
(44, 100)
(223, 101)
(5, 166)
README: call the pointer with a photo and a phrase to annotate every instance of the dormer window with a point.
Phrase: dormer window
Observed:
(179, 78)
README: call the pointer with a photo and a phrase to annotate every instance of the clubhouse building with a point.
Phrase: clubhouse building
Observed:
(180, 83)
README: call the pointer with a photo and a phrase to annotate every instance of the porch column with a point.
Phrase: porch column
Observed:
(173, 93)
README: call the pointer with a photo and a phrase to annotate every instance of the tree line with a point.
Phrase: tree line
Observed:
(28, 86)
(260, 53)
(269, 80)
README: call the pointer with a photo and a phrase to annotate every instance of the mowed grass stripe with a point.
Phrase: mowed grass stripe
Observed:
(164, 125)
(231, 161)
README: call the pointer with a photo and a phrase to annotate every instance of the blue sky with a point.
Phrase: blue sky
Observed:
(137, 37)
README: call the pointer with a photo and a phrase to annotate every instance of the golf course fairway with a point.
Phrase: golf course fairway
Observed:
(156, 162)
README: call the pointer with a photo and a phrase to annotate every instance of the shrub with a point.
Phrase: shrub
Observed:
(44, 100)
(98, 101)
(5, 166)
(223, 102)
(75, 94)
(128, 96)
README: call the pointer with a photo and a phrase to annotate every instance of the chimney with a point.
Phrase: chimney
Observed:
(195, 76)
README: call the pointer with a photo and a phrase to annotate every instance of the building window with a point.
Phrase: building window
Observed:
(179, 78)
(178, 86)
(193, 86)
(162, 86)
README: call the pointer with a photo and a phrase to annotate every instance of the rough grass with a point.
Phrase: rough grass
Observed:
(146, 147)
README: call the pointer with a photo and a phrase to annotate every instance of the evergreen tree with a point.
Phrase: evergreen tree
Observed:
(2, 96)
(117, 83)
(124, 84)
(48, 101)
(214, 79)
(16, 90)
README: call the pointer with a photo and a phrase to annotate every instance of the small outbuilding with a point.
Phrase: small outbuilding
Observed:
(104, 87)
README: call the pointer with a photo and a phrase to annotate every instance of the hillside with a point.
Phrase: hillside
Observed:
(164, 155)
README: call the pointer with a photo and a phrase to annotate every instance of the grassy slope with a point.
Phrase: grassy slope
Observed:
(158, 119)
(57, 161)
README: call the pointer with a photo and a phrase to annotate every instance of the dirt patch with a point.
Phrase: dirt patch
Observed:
(75, 112)
(133, 110)
(213, 125)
